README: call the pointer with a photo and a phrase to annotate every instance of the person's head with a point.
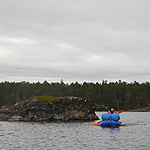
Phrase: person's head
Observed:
(112, 109)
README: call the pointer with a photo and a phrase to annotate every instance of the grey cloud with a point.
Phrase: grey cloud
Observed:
(74, 40)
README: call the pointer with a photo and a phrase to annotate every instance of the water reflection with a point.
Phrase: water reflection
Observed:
(111, 129)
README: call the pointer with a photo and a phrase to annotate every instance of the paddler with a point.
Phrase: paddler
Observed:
(112, 111)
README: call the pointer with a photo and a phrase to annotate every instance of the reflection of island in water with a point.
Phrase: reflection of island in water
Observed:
(47, 108)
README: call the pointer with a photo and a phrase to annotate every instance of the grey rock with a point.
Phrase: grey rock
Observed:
(67, 108)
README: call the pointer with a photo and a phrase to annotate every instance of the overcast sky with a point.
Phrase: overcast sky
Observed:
(74, 40)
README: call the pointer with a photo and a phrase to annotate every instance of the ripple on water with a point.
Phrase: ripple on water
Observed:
(77, 135)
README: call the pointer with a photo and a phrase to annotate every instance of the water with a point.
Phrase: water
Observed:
(133, 135)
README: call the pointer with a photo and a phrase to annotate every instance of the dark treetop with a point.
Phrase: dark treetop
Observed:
(120, 95)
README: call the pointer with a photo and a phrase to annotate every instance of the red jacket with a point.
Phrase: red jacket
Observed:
(109, 112)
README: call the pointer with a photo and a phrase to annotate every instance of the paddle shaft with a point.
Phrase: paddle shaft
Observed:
(120, 111)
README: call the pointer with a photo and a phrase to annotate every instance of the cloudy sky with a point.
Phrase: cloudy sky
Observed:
(74, 40)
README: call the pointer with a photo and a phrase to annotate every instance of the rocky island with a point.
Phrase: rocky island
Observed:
(47, 108)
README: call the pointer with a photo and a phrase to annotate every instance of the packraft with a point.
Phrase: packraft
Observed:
(110, 120)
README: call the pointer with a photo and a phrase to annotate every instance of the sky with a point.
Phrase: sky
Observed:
(74, 40)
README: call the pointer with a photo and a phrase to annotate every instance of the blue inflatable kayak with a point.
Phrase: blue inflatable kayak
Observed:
(110, 123)
(110, 120)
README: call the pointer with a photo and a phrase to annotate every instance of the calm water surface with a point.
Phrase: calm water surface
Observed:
(133, 135)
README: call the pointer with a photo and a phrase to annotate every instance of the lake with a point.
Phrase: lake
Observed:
(133, 135)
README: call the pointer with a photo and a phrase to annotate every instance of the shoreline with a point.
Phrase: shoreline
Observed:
(133, 110)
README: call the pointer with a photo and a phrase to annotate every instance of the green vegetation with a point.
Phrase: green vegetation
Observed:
(121, 95)
(43, 98)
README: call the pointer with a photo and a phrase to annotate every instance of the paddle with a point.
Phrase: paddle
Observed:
(96, 123)
(120, 111)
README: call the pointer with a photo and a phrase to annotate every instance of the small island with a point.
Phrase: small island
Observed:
(47, 108)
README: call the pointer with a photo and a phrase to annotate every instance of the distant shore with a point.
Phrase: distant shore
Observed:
(145, 109)
(139, 110)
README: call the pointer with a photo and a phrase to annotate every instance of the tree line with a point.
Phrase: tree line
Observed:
(120, 95)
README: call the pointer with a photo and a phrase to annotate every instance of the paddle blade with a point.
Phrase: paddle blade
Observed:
(94, 124)
(120, 111)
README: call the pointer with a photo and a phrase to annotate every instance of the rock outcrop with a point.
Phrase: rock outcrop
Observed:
(61, 108)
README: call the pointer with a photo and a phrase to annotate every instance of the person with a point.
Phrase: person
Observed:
(112, 111)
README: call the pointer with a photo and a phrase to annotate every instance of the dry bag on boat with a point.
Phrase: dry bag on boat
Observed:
(106, 116)
(114, 117)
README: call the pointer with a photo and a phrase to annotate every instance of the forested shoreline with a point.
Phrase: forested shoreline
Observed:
(121, 95)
